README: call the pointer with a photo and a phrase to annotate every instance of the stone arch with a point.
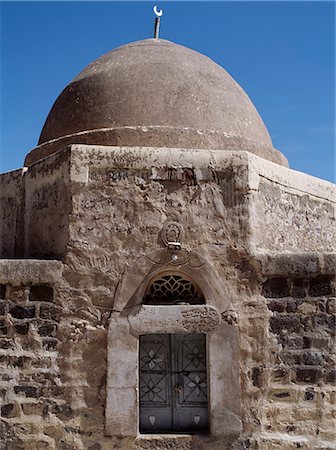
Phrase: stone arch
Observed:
(133, 285)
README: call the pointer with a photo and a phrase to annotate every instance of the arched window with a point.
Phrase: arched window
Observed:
(173, 289)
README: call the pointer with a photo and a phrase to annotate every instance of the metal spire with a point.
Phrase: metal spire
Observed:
(158, 13)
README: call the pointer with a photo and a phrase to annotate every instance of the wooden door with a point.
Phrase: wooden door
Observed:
(173, 383)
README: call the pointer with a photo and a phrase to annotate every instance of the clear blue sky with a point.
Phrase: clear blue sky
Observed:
(282, 54)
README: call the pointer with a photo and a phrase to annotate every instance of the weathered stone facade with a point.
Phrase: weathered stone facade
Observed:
(258, 240)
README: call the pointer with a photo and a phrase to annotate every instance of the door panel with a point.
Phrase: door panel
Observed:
(173, 383)
(190, 412)
(155, 384)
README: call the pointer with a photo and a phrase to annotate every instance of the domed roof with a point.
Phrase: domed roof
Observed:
(158, 94)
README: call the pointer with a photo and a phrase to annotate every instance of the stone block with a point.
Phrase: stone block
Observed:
(319, 286)
(3, 327)
(10, 410)
(196, 318)
(55, 431)
(277, 305)
(291, 306)
(45, 445)
(331, 306)
(308, 374)
(33, 408)
(289, 264)
(19, 272)
(293, 342)
(307, 308)
(50, 344)
(276, 288)
(329, 263)
(47, 329)
(29, 391)
(122, 345)
(224, 403)
(306, 322)
(20, 361)
(22, 312)
(50, 312)
(21, 328)
(95, 447)
(321, 304)
(3, 308)
(315, 342)
(4, 359)
(122, 419)
(327, 431)
(257, 376)
(5, 343)
(57, 391)
(299, 288)
(2, 291)
(288, 324)
(325, 321)
(18, 444)
(284, 395)
(63, 411)
(41, 362)
(280, 375)
(41, 294)
(330, 376)
(312, 359)
(309, 394)
(291, 358)
(18, 294)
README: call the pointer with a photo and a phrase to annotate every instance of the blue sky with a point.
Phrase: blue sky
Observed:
(282, 54)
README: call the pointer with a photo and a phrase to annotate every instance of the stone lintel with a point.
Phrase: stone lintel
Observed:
(174, 319)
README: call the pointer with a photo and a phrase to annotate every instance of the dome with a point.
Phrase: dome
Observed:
(155, 93)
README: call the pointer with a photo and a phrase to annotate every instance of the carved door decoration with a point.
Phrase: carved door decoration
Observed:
(173, 383)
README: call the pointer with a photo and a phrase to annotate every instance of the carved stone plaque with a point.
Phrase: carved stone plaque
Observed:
(174, 319)
(172, 232)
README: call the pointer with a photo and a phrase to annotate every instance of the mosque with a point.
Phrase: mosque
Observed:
(166, 281)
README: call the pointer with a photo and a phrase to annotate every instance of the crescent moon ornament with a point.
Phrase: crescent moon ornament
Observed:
(157, 12)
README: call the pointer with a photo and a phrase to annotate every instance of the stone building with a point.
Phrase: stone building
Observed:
(166, 279)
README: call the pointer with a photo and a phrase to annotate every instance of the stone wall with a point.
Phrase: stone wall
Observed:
(295, 221)
(289, 210)
(252, 202)
(100, 210)
(11, 204)
(35, 206)
(30, 386)
(293, 383)
(47, 207)
(53, 359)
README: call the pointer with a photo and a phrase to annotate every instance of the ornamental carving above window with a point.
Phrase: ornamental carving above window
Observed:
(172, 290)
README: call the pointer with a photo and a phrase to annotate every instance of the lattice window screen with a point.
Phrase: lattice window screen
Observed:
(173, 289)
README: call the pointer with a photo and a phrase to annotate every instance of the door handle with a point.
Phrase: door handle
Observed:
(178, 389)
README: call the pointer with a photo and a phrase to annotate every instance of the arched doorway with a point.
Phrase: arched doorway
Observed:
(135, 316)
(173, 380)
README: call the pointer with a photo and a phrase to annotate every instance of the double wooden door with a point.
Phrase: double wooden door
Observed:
(173, 388)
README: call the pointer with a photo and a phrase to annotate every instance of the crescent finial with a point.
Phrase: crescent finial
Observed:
(157, 12)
